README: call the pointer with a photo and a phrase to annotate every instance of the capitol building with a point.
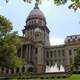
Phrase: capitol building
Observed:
(36, 49)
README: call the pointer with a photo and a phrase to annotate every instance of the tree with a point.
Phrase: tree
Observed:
(77, 59)
(9, 42)
(74, 5)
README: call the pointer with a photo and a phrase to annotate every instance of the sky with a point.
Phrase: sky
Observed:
(61, 21)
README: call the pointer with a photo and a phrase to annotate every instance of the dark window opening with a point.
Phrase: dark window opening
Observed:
(30, 69)
(47, 54)
(47, 62)
(51, 55)
(70, 53)
(73, 40)
(12, 71)
(19, 52)
(23, 69)
(51, 62)
(2, 70)
(62, 52)
(17, 70)
(7, 71)
(68, 40)
(36, 50)
(24, 50)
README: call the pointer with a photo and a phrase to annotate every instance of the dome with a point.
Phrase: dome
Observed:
(36, 13)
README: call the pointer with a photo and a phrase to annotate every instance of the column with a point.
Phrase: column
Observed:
(40, 60)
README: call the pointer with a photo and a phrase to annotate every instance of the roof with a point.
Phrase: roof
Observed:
(36, 13)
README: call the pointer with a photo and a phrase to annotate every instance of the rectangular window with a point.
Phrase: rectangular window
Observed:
(62, 52)
(70, 53)
(51, 55)
(47, 63)
(55, 53)
(59, 53)
(36, 50)
(51, 63)
(47, 55)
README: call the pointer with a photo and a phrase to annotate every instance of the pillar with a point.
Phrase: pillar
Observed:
(40, 57)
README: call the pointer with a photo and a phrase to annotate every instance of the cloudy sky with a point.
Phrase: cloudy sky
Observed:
(61, 21)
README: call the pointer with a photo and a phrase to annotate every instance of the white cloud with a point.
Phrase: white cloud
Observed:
(56, 41)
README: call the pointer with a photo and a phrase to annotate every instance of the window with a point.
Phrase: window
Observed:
(19, 52)
(51, 55)
(36, 50)
(7, 71)
(55, 60)
(70, 53)
(17, 70)
(23, 69)
(30, 69)
(12, 71)
(73, 40)
(62, 52)
(58, 52)
(37, 35)
(55, 53)
(71, 37)
(47, 55)
(47, 62)
(59, 61)
(78, 39)
(68, 40)
(39, 22)
(51, 62)
(24, 50)
(35, 21)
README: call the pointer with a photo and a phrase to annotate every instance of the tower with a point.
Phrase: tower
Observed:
(36, 35)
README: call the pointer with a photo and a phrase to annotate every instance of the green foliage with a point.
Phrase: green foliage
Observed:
(74, 5)
(9, 42)
(4, 22)
(59, 2)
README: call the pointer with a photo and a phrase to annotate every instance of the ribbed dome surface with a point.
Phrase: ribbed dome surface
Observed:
(36, 13)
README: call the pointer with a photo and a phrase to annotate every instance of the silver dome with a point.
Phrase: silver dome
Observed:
(36, 13)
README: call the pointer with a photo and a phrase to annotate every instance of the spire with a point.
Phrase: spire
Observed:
(36, 5)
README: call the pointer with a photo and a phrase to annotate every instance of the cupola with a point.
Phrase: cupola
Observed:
(36, 17)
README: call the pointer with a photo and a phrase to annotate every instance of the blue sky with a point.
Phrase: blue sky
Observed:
(61, 21)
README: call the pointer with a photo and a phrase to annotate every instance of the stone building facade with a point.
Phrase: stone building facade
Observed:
(36, 48)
